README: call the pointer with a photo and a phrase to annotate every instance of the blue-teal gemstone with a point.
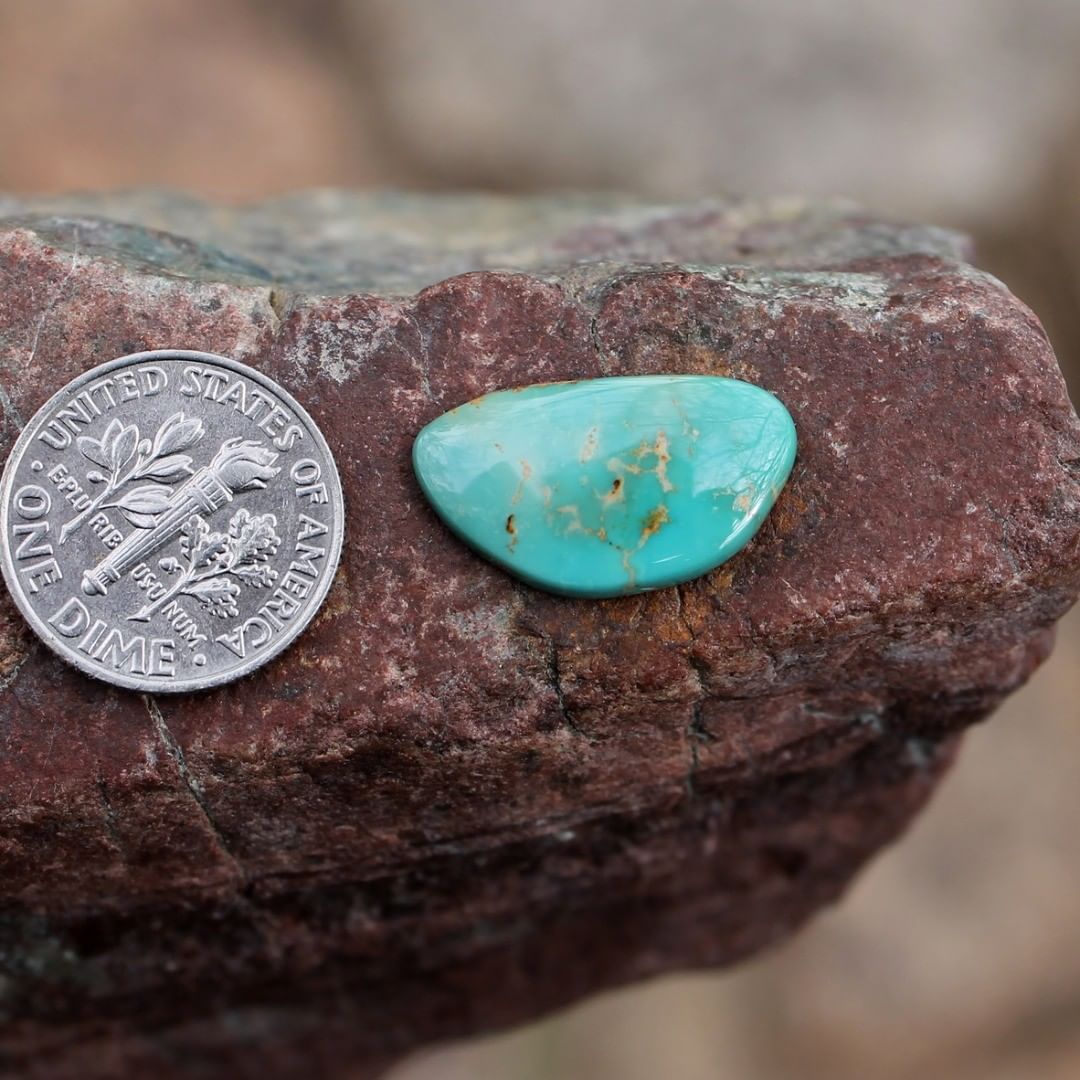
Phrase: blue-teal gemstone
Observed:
(605, 487)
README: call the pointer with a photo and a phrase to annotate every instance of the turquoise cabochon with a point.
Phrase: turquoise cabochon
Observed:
(605, 487)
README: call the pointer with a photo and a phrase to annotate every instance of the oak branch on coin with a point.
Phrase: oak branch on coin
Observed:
(211, 557)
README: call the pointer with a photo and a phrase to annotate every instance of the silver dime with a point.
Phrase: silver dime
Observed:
(171, 521)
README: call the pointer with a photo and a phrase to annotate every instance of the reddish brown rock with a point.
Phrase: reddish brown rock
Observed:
(457, 802)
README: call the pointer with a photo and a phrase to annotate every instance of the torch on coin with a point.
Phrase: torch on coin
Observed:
(240, 465)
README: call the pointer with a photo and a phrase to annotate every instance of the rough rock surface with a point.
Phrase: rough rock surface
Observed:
(456, 802)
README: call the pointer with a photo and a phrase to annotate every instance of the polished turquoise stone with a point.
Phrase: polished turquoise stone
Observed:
(605, 487)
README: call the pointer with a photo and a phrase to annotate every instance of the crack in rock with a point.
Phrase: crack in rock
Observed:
(194, 788)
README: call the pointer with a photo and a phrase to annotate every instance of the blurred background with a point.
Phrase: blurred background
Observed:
(958, 954)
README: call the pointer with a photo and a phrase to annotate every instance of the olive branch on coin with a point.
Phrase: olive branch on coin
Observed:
(211, 558)
(125, 457)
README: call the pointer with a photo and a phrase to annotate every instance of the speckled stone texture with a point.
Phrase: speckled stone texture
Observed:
(457, 802)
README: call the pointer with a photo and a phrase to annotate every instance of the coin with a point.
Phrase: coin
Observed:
(171, 520)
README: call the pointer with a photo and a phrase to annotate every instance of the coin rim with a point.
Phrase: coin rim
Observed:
(42, 629)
